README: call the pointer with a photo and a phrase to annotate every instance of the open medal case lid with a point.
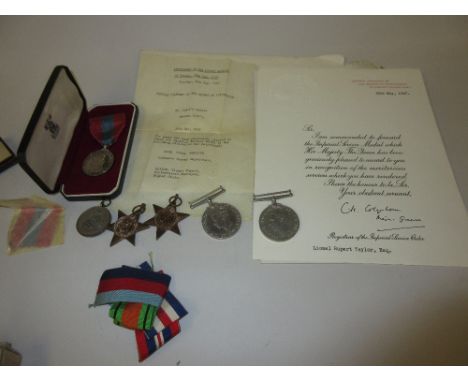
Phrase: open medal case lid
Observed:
(58, 139)
(7, 158)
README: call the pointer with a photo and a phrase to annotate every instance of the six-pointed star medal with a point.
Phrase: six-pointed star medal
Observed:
(166, 219)
(126, 227)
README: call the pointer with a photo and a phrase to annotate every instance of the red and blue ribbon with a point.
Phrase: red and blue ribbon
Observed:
(135, 292)
(107, 129)
(166, 327)
(127, 284)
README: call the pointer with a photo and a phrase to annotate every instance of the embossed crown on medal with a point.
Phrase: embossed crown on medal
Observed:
(277, 222)
(220, 220)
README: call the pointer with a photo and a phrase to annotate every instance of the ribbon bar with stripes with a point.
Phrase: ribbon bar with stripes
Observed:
(127, 284)
(140, 300)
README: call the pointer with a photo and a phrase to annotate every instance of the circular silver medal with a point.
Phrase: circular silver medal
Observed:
(279, 222)
(221, 220)
(98, 162)
(93, 221)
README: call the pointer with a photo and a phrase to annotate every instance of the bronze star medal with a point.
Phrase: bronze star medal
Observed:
(127, 226)
(167, 219)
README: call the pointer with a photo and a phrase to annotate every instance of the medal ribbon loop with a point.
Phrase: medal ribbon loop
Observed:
(107, 129)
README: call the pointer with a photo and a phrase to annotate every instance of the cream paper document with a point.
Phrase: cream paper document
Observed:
(196, 127)
(362, 154)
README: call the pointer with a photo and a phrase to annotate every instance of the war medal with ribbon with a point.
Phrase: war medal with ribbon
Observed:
(105, 130)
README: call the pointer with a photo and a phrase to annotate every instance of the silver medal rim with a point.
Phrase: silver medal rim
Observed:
(210, 210)
(86, 215)
(284, 210)
(88, 165)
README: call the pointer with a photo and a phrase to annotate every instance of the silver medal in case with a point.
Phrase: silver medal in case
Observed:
(98, 162)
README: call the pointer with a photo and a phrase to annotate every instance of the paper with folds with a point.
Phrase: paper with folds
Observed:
(197, 126)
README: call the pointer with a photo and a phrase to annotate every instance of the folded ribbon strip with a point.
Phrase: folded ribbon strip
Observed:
(127, 284)
(36, 223)
(140, 298)
(166, 327)
(148, 341)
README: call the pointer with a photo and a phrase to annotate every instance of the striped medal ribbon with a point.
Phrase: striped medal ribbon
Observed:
(141, 301)
(105, 130)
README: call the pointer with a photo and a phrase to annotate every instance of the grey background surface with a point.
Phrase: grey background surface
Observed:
(241, 312)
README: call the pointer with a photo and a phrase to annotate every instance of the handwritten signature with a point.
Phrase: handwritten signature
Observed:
(382, 213)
